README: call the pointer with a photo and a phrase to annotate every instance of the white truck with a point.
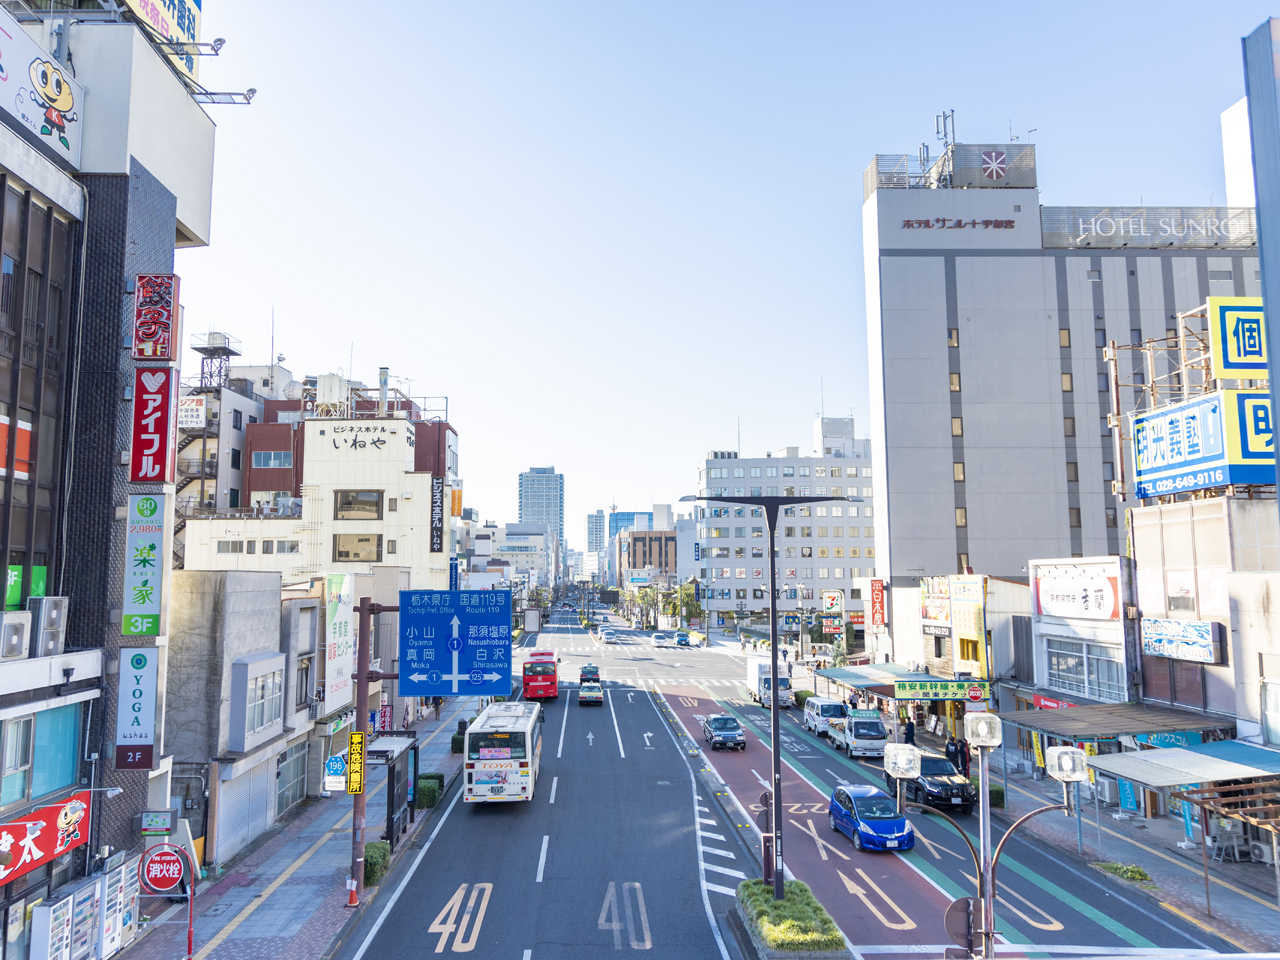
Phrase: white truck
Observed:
(758, 681)
(861, 734)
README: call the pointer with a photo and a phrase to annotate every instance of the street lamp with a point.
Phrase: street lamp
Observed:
(770, 506)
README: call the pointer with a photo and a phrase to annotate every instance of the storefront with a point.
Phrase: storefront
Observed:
(936, 705)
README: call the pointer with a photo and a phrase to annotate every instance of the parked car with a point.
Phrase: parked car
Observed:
(939, 785)
(870, 818)
(591, 693)
(589, 673)
(659, 639)
(682, 639)
(723, 730)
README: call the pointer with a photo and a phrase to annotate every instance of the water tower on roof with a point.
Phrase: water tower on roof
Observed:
(216, 351)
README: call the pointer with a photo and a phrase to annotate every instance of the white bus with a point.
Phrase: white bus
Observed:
(504, 752)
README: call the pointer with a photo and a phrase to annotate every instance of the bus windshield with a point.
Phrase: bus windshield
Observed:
(539, 669)
(496, 746)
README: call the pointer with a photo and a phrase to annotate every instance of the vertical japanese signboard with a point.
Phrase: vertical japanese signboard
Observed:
(437, 514)
(455, 502)
(355, 762)
(152, 447)
(143, 601)
(340, 641)
(155, 317)
(191, 415)
(136, 708)
(877, 606)
(1237, 338)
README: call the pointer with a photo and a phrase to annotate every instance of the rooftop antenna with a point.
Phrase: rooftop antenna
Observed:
(822, 399)
(944, 127)
(739, 436)
(273, 332)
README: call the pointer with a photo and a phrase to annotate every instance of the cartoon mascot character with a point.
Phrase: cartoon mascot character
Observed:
(53, 93)
(69, 818)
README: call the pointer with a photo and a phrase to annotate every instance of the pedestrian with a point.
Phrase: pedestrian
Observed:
(404, 725)
(436, 702)
(784, 654)
(963, 745)
(853, 701)
(909, 734)
(953, 752)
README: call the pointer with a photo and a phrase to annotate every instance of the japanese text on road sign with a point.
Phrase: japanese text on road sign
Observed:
(455, 642)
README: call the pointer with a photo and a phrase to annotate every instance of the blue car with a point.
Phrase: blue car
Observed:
(870, 818)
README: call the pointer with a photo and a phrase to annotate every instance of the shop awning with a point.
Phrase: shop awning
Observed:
(1181, 766)
(879, 678)
(1107, 721)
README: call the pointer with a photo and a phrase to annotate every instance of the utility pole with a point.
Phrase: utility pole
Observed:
(366, 610)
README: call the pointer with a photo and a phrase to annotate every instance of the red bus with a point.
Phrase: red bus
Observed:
(540, 675)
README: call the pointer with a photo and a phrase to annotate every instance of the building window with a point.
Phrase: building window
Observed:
(1103, 385)
(1106, 426)
(770, 471)
(1111, 516)
(272, 459)
(806, 552)
(1073, 471)
(1064, 337)
(17, 759)
(302, 689)
(391, 546)
(264, 702)
(955, 383)
(237, 420)
(1108, 470)
(755, 491)
(287, 546)
(824, 551)
(251, 546)
(962, 562)
(1073, 516)
(357, 548)
(391, 505)
(1066, 383)
(755, 471)
(957, 427)
(957, 474)
(953, 337)
(233, 497)
(231, 546)
(770, 491)
(739, 532)
(1271, 712)
(1219, 274)
(806, 531)
(1089, 669)
(1094, 274)
(268, 546)
(788, 471)
(870, 551)
(1068, 426)
(235, 459)
(40, 753)
(739, 472)
(939, 647)
(757, 531)
(962, 517)
(357, 505)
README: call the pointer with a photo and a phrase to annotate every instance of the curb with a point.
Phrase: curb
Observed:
(371, 896)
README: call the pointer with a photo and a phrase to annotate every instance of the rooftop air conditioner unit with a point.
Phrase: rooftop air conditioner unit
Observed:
(14, 634)
(1259, 852)
(48, 625)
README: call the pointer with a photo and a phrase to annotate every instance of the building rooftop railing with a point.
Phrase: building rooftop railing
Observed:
(192, 509)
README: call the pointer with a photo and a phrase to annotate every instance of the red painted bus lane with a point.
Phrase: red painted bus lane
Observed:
(875, 898)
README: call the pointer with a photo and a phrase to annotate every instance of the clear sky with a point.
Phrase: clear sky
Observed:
(610, 231)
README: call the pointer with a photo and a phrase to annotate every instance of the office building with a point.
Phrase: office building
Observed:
(542, 499)
(987, 320)
(620, 520)
(595, 532)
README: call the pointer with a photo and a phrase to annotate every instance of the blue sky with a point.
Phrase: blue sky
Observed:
(610, 231)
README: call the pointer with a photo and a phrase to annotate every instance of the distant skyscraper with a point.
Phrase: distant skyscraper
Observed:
(542, 499)
(620, 520)
(595, 532)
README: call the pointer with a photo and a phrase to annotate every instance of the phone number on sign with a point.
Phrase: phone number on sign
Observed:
(1188, 481)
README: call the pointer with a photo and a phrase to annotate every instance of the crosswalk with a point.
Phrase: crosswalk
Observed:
(716, 872)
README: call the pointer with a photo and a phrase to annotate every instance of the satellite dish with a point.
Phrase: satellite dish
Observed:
(293, 390)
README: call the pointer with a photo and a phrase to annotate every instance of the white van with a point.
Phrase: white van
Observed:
(819, 712)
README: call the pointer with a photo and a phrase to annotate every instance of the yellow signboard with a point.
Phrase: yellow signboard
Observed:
(355, 762)
(178, 22)
(969, 622)
(1237, 338)
(1035, 738)
(1250, 435)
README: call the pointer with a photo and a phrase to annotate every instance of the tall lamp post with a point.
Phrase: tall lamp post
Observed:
(985, 731)
(771, 506)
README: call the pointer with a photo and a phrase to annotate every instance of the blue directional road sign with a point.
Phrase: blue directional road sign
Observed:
(455, 642)
(336, 766)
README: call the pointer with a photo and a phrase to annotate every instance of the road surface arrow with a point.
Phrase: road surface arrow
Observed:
(629, 696)
(906, 924)
(590, 738)
(646, 739)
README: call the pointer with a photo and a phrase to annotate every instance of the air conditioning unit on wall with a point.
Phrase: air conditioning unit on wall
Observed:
(1260, 851)
(1107, 789)
(14, 634)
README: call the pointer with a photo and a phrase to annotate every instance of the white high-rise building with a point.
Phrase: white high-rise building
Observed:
(542, 499)
(595, 532)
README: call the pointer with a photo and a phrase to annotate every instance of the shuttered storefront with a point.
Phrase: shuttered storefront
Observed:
(246, 808)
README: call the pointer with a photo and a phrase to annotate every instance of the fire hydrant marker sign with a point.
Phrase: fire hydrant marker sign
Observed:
(136, 708)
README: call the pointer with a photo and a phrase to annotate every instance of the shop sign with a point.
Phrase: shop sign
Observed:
(935, 606)
(136, 708)
(831, 624)
(48, 102)
(857, 617)
(155, 317)
(455, 502)
(177, 22)
(340, 643)
(355, 762)
(142, 601)
(151, 445)
(437, 514)
(972, 690)
(833, 601)
(1153, 227)
(877, 606)
(1195, 640)
(37, 838)
(1080, 593)
(156, 823)
(191, 413)
(864, 714)
(1048, 703)
(1237, 338)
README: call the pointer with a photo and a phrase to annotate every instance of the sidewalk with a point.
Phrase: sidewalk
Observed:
(1243, 894)
(287, 898)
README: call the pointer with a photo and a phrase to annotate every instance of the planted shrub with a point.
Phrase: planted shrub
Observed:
(377, 857)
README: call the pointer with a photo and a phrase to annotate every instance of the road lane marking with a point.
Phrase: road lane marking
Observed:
(563, 721)
(813, 832)
(905, 924)
(705, 820)
(716, 868)
(554, 781)
(1205, 927)
(713, 836)
(528, 955)
(934, 847)
(614, 713)
(718, 853)
(716, 888)
(542, 860)
(1051, 924)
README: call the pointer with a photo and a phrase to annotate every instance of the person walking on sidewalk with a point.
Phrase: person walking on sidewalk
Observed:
(436, 702)
(909, 733)
(784, 654)
(953, 752)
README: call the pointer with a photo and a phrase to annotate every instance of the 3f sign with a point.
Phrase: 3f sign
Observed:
(136, 708)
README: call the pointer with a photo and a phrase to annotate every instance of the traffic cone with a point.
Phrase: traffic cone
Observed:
(351, 894)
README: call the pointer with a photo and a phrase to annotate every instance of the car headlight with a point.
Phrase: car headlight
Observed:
(932, 789)
(865, 829)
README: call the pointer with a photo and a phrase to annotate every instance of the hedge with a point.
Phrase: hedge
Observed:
(456, 743)
(377, 857)
(994, 790)
(801, 696)
(427, 794)
(798, 922)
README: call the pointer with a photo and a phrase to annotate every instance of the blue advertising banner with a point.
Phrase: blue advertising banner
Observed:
(455, 642)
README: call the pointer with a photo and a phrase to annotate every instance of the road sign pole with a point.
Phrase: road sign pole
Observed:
(771, 518)
(365, 609)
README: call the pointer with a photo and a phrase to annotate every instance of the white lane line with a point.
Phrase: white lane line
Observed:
(563, 721)
(407, 877)
(712, 836)
(716, 888)
(718, 853)
(554, 781)
(542, 860)
(705, 820)
(621, 752)
(703, 809)
(528, 954)
(716, 868)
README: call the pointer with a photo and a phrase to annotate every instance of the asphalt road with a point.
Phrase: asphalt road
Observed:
(607, 857)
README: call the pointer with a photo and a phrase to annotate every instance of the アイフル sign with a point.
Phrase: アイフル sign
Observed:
(155, 317)
(142, 606)
(136, 708)
(152, 447)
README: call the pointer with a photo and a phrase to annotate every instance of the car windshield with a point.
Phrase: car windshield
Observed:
(832, 710)
(869, 730)
(936, 767)
(784, 683)
(724, 723)
(876, 808)
(590, 688)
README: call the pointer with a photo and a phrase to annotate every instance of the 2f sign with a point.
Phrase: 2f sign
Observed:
(136, 708)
